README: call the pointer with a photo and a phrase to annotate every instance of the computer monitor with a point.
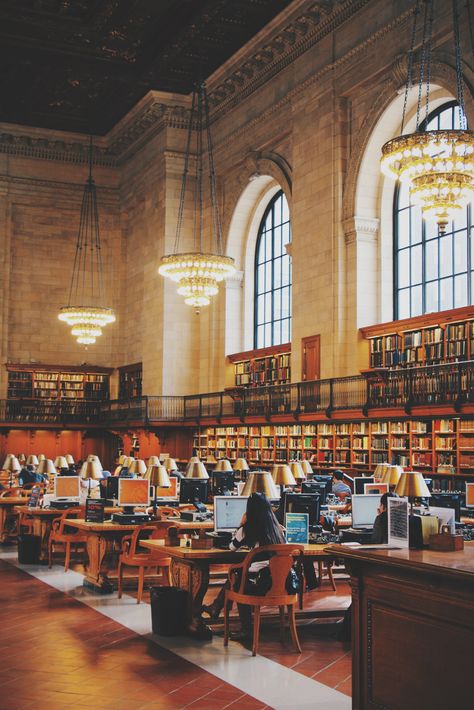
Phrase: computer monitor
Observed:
(360, 482)
(303, 503)
(193, 489)
(469, 495)
(67, 487)
(447, 500)
(222, 482)
(228, 512)
(315, 487)
(111, 486)
(133, 492)
(364, 510)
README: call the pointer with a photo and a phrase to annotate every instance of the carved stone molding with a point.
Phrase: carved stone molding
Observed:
(360, 229)
(235, 281)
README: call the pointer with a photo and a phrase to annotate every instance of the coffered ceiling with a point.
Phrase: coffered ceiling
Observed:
(80, 65)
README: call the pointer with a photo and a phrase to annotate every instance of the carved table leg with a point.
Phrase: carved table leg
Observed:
(42, 528)
(96, 576)
(3, 519)
(194, 578)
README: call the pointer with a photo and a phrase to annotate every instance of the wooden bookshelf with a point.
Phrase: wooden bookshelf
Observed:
(433, 446)
(49, 382)
(434, 338)
(266, 366)
(130, 381)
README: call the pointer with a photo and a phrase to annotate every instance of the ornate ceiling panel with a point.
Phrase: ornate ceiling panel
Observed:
(80, 65)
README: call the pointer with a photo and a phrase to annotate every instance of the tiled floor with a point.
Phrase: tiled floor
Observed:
(57, 652)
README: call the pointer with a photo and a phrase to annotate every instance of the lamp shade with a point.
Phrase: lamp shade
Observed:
(46, 466)
(41, 457)
(306, 466)
(94, 457)
(138, 466)
(260, 482)
(32, 460)
(70, 459)
(241, 465)
(11, 463)
(196, 470)
(193, 459)
(122, 458)
(153, 461)
(282, 476)
(296, 470)
(412, 485)
(392, 475)
(380, 471)
(158, 476)
(22, 459)
(61, 462)
(170, 464)
(92, 470)
(223, 465)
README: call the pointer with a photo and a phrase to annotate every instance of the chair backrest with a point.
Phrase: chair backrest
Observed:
(14, 493)
(168, 512)
(281, 561)
(71, 513)
(142, 532)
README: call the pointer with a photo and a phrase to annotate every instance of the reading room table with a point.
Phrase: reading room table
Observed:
(190, 570)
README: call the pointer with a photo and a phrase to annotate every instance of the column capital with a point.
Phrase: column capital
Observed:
(234, 281)
(361, 229)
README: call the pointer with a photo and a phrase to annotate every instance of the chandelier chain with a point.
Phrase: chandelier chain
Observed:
(423, 61)
(458, 54)
(471, 29)
(212, 179)
(411, 53)
(182, 196)
(428, 62)
(199, 216)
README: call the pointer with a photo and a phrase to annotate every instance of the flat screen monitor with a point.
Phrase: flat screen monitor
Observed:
(193, 489)
(67, 487)
(228, 512)
(304, 503)
(364, 510)
(360, 482)
(133, 492)
(170, 492)
(222, 482)
(469, 495)
(111, 486)
(319, 487)
(447, 500)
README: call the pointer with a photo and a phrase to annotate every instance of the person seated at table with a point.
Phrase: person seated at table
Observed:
(72, 470)
(339, 488)
(258, 527)
(65, 472)
(106, 474)
(29, 475)
(380, 529)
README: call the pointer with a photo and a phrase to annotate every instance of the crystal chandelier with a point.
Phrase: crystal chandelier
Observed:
(85, 312)
(198, 273)
(438, 166)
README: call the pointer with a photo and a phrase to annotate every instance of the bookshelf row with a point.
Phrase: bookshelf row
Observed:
(130, 381)
(267, 366)
(410, 343)
(51, 384)
(429, 445)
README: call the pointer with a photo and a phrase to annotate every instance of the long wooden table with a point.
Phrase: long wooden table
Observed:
(7, 512)
(412, 627)
(190, 570)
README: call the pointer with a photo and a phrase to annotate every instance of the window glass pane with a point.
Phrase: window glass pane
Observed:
(261, 251)
(404, 228)
(416, 225)
(260, 309)
(268, 246)
(268, 276)
(268, 307)
(403, 268)
(260, 280)
(277, 273)
(285, 211)
(431, 228)
(404, 303)
(268, 335)
(285, 273)
(460, 291)
(416, 300)
(460, 252)
(277, 333)
(260, 341)
(416, 265)
(286, 235)
(403, 195)
(446, 255)
(446, 294)
(431, 263)
(277, 246)
(285, 305)
(431, 297)
(285, 331)
(277, 305)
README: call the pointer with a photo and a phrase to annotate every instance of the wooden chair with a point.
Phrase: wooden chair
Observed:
(60, 534)
(129, 557)
(280, 563)
(166, 512)
(25, 523)
(15, 492)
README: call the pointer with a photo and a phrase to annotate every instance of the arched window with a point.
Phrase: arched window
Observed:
(432, 272)
(273, 276)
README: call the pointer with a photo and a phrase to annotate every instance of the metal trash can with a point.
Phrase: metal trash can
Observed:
(29, 549)
(168, 610)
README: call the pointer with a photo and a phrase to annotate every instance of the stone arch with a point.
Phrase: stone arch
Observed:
(259, 179)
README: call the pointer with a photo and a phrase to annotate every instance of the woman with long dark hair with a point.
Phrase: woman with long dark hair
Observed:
(258, 527)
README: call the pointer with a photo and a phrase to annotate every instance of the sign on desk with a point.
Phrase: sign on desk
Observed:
(297, 528)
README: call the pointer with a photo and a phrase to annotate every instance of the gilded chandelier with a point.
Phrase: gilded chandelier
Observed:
(437, 165)
(198, 273)
(88, 315)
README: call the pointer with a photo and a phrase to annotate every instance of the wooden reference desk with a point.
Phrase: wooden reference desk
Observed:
(8, 512)
(412, 627)
(190, 571)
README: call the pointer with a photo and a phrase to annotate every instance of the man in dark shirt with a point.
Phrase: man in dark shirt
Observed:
(28, 475)
(380, 531)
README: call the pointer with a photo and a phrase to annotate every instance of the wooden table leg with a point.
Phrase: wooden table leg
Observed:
(194, 578)
(42, 528)
(3, 519)
(96, 575)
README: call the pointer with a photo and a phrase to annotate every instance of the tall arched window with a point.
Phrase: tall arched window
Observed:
(273, 276)
(432, 272)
